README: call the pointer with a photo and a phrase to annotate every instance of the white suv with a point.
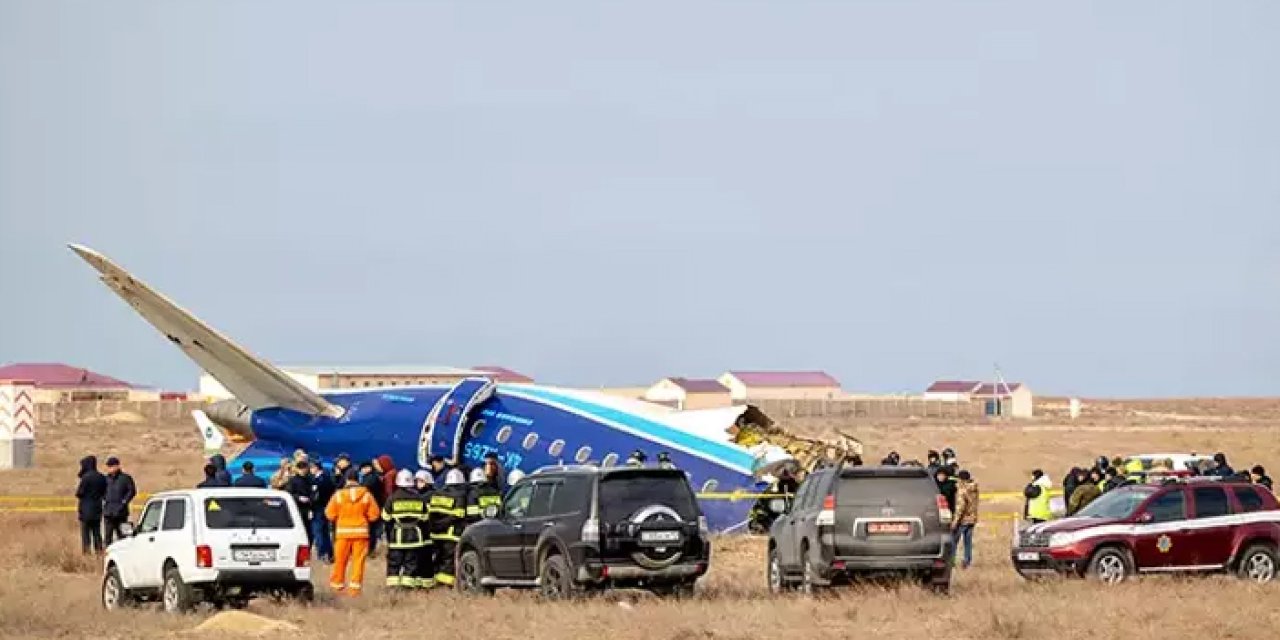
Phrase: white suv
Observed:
(221, 546)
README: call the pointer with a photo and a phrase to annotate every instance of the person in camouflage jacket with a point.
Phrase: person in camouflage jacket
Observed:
(965, 517)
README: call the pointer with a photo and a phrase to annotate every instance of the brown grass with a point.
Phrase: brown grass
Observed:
(47, 589)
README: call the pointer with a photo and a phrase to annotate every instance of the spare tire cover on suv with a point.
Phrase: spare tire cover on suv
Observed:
(661, 517)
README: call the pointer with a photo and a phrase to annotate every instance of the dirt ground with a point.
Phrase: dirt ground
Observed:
(47, 589)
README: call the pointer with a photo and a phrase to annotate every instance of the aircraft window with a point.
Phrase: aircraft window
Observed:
(609, 460)
(379, 383)
(583, 455)
(530, 440)
(556, 448)
(710, 486)
(504, 434)
(477, 428)
(366, 383)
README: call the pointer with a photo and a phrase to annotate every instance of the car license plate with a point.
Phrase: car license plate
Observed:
(254, 555)
(659, 536)
(1028, 556)
(889, 528)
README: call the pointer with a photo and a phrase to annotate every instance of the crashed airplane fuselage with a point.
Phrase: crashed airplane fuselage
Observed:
(526, 426)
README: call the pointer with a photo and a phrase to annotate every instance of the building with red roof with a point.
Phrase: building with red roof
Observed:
(780, 385)
(1012, 399)
(56, 382)
(689, 393)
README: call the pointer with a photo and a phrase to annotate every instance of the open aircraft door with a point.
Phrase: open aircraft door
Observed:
(445, 429)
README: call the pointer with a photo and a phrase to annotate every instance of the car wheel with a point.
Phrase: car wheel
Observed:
(1110, 566)
(469, 575)
(176, 595)
(1258, 564)
(554, 580)
(114, 595)
(777, 582)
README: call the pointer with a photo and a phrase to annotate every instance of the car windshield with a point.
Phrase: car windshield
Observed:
(247, 513)
(1120, 503)
(621, 496)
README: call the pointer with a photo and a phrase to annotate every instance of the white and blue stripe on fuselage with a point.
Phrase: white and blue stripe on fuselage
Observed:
(526, 426)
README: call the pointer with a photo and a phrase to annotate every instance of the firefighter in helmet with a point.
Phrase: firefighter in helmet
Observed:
(484, 494)
(405, 511)
(448, 515)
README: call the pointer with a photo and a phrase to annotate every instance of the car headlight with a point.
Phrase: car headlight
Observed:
(1062, 539)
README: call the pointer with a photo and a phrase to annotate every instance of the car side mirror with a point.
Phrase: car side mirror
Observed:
(127, 530)
(1146, 518)
(490, 511)
(778, 505)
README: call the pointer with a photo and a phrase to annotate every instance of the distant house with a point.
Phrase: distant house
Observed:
(320, 378)
(1011, 399)
(780, 385)
(688, 393)
(952, 390)
(56, 382)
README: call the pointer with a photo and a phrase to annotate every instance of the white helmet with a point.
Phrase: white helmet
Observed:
(404, 478)
(514, 476)
(477, 476)
(424, 476)
(454, 477)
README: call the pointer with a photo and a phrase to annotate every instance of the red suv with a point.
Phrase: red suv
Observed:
(1177, 527)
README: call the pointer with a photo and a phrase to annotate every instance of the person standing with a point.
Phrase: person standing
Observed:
(426, 575)
(1086, 491)
(115, 504)
(1258, 475)
(483, 494)
(448, 513)
(90, 493)
(966, 517)
(1037, 494)
(322, 490)
(351, 510)
(249, 479)
(222, 475)
(946, 486)
(280, 479)
(300, 488)
(407, 513)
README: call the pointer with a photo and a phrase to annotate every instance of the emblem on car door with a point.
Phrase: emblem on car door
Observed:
(1164, 544)
(886, 511)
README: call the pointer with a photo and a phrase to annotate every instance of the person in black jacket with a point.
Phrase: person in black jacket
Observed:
(115, 504)
(222, 474)
(249, 478)
(299, 487)
(1069, 485)
(322, 490)
(946, 486)
(210, 478)
(90, 492)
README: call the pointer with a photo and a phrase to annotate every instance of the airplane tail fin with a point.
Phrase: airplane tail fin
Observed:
(212, 435)
(251, 380)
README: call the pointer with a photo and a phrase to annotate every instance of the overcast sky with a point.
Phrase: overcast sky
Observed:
(1087, 193)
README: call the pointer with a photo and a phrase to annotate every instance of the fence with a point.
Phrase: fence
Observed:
(148, 410)
(887, 407)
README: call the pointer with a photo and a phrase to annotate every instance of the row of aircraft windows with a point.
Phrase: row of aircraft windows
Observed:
(557, 447)
(382, 383)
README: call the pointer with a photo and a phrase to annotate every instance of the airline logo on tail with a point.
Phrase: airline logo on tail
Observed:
(212, 435)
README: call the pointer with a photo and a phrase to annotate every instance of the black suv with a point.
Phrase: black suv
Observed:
(849, 522)
(572, 529)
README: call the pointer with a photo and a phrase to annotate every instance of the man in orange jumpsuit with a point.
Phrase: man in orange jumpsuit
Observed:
(351, 510)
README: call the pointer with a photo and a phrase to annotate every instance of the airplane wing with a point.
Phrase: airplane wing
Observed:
(251, 380)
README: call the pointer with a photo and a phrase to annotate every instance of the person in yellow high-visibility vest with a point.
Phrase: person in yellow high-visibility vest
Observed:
(1037, 494)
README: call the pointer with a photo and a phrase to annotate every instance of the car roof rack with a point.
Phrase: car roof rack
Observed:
(551, 468)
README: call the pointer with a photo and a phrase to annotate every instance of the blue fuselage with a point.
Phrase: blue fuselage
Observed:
(527, 427)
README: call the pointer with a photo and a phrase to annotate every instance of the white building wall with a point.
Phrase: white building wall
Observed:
(737, 390)
(947, 396)
(666, 391)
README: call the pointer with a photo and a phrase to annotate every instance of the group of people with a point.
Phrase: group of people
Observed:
(1083, 485)
(102, 499)
(349, 509)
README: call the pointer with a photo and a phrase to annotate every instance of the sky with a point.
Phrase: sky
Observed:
(1086, 194)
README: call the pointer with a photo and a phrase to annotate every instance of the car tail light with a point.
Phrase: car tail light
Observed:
(702, 526)
(838, 565)
(303, 558)
(204, 557)
(701, 568)
(944, 511)
(827, 517)
(591, 531)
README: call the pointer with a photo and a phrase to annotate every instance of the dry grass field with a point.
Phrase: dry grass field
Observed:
(47, 589)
